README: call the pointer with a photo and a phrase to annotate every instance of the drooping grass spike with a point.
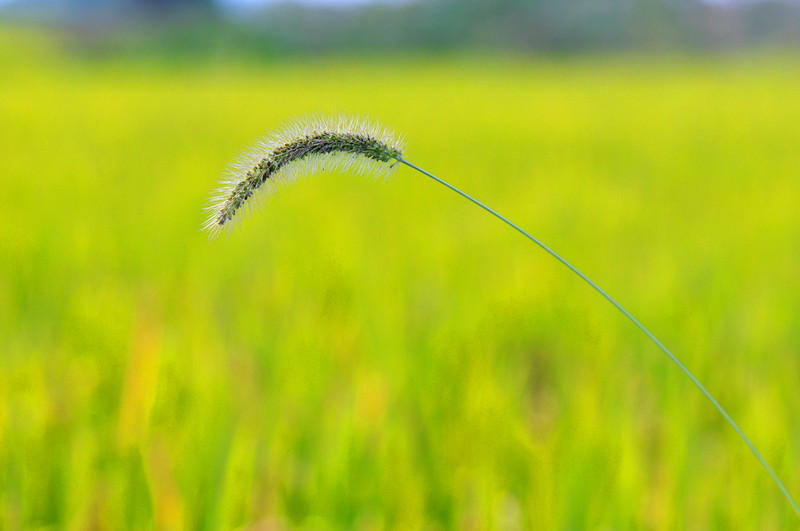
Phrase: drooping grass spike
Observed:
(307, 146)
(303, 147)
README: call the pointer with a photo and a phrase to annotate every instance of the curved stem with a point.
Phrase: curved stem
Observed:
(627, 314)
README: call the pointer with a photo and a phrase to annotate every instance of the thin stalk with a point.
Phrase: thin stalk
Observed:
(627, 314)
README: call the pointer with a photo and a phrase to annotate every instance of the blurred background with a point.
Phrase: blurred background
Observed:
(362, 355)
(269, 28)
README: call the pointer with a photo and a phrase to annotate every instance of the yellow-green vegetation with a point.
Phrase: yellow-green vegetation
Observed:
(362, 355)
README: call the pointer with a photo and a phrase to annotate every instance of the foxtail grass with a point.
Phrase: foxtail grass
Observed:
(310, 145)
(300, 148)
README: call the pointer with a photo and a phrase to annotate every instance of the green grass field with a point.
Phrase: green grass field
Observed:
(361, 355)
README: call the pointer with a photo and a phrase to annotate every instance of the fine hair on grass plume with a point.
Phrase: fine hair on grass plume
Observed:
(303, 147)
(354, 144)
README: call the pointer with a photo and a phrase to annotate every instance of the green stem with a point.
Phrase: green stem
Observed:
(627, 314)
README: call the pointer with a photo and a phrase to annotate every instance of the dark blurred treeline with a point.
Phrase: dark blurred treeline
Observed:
(548, 25)
(538, 24)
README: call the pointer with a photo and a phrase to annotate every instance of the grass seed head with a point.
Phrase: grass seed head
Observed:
(304, 146)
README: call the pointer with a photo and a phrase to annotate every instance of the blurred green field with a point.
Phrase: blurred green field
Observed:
(362, 355)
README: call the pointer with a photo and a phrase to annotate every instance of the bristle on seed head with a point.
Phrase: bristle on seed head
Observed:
(304, 146)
